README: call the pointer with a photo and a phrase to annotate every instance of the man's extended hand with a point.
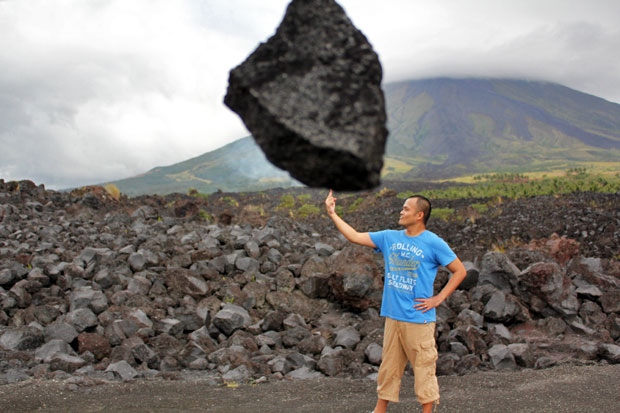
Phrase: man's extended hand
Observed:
(330, 203)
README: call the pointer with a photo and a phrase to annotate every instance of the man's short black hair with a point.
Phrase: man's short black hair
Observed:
(423, 204)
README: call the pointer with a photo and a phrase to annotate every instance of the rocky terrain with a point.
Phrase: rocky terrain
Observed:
(240, 288)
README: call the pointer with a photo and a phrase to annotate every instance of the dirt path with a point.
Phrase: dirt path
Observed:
(561, 389)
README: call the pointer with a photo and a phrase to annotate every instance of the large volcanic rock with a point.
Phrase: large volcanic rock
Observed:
(311, 96)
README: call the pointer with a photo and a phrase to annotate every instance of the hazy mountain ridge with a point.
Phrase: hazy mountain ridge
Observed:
(447, 127)
(238, 166)
(439, 128)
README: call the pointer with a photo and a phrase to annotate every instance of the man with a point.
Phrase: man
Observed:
(412, 257)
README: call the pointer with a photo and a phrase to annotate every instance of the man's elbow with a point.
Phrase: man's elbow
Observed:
(460, 274)
(356, 238)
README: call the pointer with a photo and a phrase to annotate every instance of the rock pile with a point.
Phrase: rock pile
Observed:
(104, 289)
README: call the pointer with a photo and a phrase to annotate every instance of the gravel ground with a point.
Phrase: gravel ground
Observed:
(559, 389)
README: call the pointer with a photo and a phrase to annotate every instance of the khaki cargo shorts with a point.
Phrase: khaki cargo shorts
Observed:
(411, 342)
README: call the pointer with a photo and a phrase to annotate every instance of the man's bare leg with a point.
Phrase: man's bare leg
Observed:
(381, 406)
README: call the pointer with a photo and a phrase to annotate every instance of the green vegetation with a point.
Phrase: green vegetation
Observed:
(287, 202)
(442, 213)
(306, 210)
(481, 208)
(194, 193)
(523, 187)
(113, 191)
(502, 177)
(231, 201)
(255, 209)
(355, 205)
(206, 216)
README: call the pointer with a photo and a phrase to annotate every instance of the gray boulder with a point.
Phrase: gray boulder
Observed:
(357, 285)
(294, 336)
(502, 358)
(524, 355)
(239, 374)
(304, 373)
(374, 353)
(82, 318)
(315, 285)
(186, 282)
(471, 280)
(610, 352)
(312, 345)
(123, 370)
(347, 337)
(311, 96)
(501, 307)
(611, 301)
(469, 318)
(331, 364)
(21, 338)
(137, 262)
(47, 351)
(66, 362)
(280, 364)
(497, 269)
(230, 318)
(6, 276)
(546, 284)
(324, 250)
(61, 330)
(14, 376)
(86, 297)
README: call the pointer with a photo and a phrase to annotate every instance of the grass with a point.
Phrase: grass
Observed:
(287, 202)
(551, 170)
(306, 210)
(520, 186)
(442, 213)
(355, 205)
(113, 191)
(481, 208)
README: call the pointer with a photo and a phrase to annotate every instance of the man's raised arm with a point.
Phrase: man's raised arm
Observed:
(361, 238)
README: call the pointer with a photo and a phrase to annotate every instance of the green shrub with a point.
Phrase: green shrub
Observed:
(113, 191)
(307, 209)
(525, 188)
(442, 213)
(206, 216)
(355, 205)
(287, 202)
(231, 201)
(481, 208)
(194, 193)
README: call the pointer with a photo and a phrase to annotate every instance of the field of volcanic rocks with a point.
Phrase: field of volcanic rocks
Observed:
(247, 288)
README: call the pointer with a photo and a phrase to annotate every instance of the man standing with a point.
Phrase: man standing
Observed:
(412, 257)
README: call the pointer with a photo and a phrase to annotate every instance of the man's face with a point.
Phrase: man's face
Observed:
(410, 214)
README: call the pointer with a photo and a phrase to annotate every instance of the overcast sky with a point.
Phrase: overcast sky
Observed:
(97, 90)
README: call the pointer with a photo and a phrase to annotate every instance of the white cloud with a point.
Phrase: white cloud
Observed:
(104, 89)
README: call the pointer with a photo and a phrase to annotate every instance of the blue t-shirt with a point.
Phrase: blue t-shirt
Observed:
(410, 268)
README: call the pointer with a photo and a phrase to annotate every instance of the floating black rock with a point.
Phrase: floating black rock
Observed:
(311, 96)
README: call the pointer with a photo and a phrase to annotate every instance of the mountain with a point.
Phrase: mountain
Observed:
(443, 128)
(236, 167)
(439, 128)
